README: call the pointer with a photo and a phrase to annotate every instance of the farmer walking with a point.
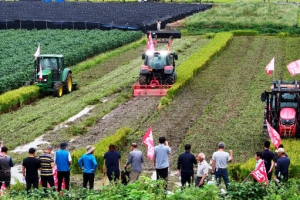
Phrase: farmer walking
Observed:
(30, 167)
(47, 163)
(136, 160)
(112, 163)
(220, 159)
(63, 162)
(185, 166)
(6, 163)
(88, 164)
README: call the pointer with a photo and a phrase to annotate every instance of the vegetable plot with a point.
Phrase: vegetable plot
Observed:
(18, 47)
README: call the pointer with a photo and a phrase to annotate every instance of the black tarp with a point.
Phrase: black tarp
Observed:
(105, 16)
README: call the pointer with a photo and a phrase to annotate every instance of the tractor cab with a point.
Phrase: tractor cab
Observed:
(51, 75)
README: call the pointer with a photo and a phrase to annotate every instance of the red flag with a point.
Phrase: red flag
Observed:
(274, 136)
(260, 173)
(270, 67)
(294, 67)
(150, 46)
(148, 141)
(38, 51)
(41, 73)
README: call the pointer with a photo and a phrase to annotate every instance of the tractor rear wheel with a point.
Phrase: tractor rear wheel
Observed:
(143, 80)
(58, 89)
(170, 79)
(68, 84)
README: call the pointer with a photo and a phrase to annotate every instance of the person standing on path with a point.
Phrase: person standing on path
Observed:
(268, 157)
(136, 160)
(220, 159)
(6, 163)
(202, 170)
(88, 164)
(112, 163)
(282, 168)
(30, 167)
(161, 161)
(63, 162)
(47, 163)
(185, 166)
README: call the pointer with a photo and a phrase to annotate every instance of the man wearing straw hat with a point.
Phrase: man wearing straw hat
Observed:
(88, 164)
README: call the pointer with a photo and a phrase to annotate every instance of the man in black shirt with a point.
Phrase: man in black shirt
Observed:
(30, 167)
(185, 166)
(268, 156)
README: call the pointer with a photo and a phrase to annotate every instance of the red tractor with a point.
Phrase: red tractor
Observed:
(158, 73)
(282, 108)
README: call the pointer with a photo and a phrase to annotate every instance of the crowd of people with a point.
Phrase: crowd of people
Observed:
(61, 159)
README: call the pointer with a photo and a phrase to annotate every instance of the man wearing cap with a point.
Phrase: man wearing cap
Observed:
(220, 159)
(276, 157)
(88, 164)
(282, 167)
(63, 162)
(47, 164)
(30, 168)
(136, 159)
(5, 164)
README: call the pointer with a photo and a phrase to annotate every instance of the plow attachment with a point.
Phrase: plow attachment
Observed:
(153, 89)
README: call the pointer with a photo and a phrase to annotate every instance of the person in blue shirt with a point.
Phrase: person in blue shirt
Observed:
(88, 164)
(63, 162)
(112, 163)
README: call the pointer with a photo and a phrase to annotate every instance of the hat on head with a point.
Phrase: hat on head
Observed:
(63, 145)
(31, 150)
(221, 145)
(280, 150)
(49, 147)
(89, 149)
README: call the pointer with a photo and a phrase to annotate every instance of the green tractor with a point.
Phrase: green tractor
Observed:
(51, 75)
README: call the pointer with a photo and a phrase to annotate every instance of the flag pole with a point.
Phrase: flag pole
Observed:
(247, 177)
(273, 71)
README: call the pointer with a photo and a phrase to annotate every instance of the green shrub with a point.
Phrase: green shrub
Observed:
(210, 35)
(283, 34)
(245, 32)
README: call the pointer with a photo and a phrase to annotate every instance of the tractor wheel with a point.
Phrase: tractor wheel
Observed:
(58, 89)
(68, 84)
(170, 79)
(143, 80)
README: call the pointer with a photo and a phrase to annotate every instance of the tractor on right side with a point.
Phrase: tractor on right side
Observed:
(282, 109)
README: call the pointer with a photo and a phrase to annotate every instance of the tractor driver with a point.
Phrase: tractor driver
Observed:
(158, 63)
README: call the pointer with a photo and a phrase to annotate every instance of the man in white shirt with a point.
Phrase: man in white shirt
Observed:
(202, 170)
(258, 158)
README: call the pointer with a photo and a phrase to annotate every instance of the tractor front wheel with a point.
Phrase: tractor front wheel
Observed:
(68, 84)
(58, 89)
(143, 80)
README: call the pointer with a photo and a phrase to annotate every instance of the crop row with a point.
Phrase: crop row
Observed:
(18, 47)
